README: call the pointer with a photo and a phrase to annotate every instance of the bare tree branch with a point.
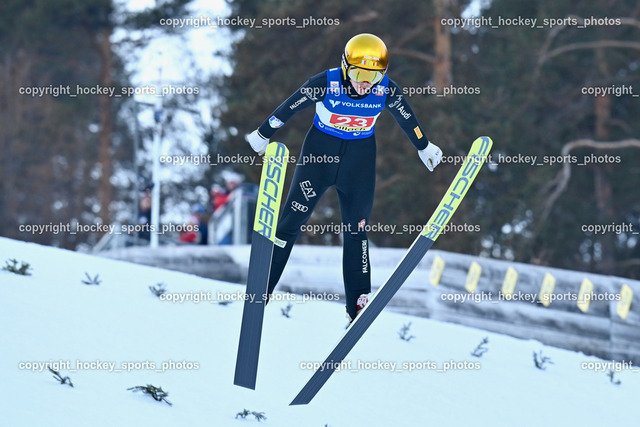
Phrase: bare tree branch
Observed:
(545, 54)
(590, 45)
(630, 21)
(430, 59)
(364, 17)
(561, 180)
(413, 33)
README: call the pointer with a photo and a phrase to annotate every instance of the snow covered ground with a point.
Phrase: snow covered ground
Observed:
(117, 335)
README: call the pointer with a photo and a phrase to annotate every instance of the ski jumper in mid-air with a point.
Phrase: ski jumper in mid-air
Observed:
(339, 150)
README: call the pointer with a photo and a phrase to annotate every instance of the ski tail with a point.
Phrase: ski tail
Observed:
(457, 190)
(262, 241)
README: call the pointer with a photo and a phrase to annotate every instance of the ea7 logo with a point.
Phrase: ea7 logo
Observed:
(307, 190)
(334, 103)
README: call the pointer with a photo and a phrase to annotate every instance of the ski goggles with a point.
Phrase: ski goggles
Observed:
(361, 75)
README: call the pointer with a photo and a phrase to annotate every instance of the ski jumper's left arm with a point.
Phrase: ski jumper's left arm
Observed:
(402, 112)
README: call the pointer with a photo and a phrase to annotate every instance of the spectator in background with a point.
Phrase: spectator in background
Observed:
(220, 195)
(144, 208)
(144, 216)
(203, 223)
(198, 231)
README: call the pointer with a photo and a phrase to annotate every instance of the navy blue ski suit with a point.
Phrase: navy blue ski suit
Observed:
(339, 151)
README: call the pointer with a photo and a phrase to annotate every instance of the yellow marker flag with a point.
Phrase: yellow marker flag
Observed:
(473, 277)
(546, 290)
(624, 305)
(509, 283)
(436, 270)
(584, 297)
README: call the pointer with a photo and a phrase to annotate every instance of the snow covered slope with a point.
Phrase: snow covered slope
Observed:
(117, 335)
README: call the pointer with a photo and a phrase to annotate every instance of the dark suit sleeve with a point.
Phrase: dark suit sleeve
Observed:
(402, 112)
(312, 91)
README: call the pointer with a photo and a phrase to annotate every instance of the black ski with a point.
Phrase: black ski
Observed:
(262, 241)
(454, 195)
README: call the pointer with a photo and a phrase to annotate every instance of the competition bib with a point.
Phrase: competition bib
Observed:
(347, 118)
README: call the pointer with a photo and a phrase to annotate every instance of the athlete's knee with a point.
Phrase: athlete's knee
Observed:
(357, 235)
(290, 225)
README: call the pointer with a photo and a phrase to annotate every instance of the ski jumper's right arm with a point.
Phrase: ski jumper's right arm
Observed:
(312, 91)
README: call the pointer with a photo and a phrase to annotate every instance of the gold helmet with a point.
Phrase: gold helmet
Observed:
(365, 59)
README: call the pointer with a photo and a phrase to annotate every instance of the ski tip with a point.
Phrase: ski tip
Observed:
(484, 140)
(279, 144)
(480, 148)
(277, 151)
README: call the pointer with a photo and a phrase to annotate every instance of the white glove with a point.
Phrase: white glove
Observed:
(431, 156)
(258, 142)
